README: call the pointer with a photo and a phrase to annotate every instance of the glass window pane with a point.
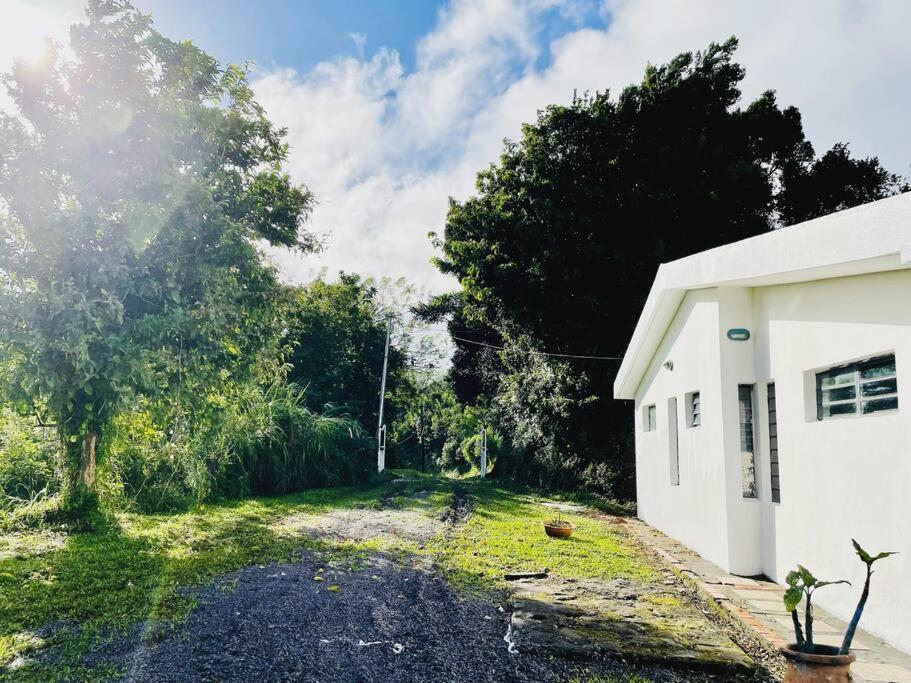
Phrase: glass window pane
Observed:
(837, 379)
(747, 459)
(880, 404)
(839, 409)
(840, 394)
(882, 368)
(880, 387)
(650, 418)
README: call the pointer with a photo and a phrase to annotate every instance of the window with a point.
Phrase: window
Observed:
(649, 418)
(747, 453)
(862, 388)
(693, 410)
(773, 444)
(672, 446)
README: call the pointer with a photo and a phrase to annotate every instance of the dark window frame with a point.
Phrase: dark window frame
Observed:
(772, 422)
(856, 389)
(693, 409)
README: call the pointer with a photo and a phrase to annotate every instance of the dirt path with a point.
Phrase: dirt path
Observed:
(395, 618)
(380, 622)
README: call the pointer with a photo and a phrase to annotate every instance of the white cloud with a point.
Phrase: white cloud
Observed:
(360, 42)
(383, 148)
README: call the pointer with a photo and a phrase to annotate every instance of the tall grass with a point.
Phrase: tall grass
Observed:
(27, 460)
(272, 443)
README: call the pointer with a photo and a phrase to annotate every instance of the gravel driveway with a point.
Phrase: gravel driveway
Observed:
(310, 621)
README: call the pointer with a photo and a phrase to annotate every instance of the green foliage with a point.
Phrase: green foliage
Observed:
(269, 442)
(138, 568)
(802, 584)
(868, 561)
(866, 557)
(561, 244)
(135, 181)
(256, 440)
(27, 460)
(148, 471)
(504, 534)
(333, 337)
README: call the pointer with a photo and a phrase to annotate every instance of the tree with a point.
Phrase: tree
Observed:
(135, 182)
(334, 335)
(563, 239)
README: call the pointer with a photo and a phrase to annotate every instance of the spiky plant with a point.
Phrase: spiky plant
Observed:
(802, 583)
(868, 560)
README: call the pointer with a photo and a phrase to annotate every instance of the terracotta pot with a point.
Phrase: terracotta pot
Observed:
(558, 531)
(823, 666)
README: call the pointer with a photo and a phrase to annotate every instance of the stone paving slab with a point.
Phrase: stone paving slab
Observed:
(819, 626)
(757, 604)
(647, 622)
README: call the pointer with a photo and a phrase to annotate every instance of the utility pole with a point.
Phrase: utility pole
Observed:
(483, 452)
(421, 434)
(381, 428)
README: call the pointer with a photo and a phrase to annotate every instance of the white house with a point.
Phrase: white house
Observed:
(772, 388)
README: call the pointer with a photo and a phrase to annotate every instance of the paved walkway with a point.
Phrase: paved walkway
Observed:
(758, 605)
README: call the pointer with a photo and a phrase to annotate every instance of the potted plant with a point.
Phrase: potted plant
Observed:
(558, 528)
(807, 660)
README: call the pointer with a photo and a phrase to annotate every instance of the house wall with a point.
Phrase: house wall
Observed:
(840, 478)
(690, 343)
(738, 367)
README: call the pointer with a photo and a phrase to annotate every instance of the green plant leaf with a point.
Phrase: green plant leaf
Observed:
(820, 584)
(861, 553)
(806, 576)
(868, 559)
(792, 597)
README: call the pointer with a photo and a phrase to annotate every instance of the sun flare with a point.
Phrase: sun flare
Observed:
(25, 29)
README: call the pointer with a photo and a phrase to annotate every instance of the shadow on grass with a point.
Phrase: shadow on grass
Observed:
(105, 581)
(56, 605)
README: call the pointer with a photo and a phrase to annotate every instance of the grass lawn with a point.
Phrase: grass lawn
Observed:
(504, 534)
(131, 570)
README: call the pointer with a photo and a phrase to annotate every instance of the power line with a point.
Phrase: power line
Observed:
(536, 353)
(453, 334)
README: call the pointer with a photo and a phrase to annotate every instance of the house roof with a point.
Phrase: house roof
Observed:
(866, 239)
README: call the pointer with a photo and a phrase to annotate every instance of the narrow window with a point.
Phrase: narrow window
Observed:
(862, 388)
(650, 418)
(693, 410)
(747, 457)
(773, 444)
(672, 441)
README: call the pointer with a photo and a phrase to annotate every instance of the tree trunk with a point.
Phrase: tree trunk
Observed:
(85, 477)
(81, 467)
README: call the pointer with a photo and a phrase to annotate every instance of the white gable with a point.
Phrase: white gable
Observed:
(866, 239)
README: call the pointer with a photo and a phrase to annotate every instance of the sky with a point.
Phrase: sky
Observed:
(393, 106)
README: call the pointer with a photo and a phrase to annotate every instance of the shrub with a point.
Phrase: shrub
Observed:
(148, 471)
(269, 442)
(27, 460)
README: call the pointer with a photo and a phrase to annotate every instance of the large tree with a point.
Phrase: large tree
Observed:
(135, 181)
(566, 232)
(334, 336)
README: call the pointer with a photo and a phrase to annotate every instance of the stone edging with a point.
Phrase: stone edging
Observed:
(754, 637)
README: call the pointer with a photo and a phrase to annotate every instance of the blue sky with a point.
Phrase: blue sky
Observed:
(297, 33)
(393, 106)
(303, 33)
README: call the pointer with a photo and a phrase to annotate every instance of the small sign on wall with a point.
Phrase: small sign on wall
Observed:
(738, 334)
